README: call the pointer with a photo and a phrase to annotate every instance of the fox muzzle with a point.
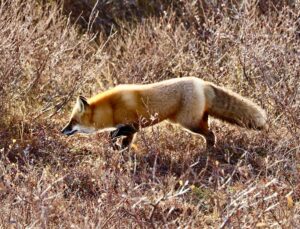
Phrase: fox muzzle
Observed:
(68, 130)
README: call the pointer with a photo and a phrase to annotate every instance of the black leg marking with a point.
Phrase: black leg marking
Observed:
(208, 134)
(123, 130)
(126, 131)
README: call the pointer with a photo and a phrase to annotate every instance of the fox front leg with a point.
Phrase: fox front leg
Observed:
(126, 131)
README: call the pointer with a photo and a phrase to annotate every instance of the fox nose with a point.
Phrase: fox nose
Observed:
(68, 130)
(63, 130)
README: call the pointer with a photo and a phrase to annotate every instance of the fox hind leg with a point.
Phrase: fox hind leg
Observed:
(202, 128)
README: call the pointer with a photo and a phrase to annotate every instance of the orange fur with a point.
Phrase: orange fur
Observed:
(187, 101)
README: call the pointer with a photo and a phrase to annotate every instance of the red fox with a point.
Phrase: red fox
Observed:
(187, 101)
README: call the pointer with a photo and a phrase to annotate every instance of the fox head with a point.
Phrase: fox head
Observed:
(80, 118)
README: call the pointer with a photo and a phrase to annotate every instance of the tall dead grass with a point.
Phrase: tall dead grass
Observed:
(250, 180)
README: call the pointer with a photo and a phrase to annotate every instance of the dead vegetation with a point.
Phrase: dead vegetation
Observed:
(49, 56)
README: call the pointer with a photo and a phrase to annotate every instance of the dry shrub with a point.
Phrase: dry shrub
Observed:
(251, 179)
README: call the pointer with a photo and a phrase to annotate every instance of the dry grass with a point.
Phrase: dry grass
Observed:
(47, 180)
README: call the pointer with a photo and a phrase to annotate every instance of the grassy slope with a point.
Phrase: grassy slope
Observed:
(251, 178)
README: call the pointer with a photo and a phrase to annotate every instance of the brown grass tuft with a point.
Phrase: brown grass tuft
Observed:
(49, 57)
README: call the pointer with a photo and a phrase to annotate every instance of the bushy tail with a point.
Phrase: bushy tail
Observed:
(233, 108)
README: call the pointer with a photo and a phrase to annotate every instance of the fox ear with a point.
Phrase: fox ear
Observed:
(82, 103)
